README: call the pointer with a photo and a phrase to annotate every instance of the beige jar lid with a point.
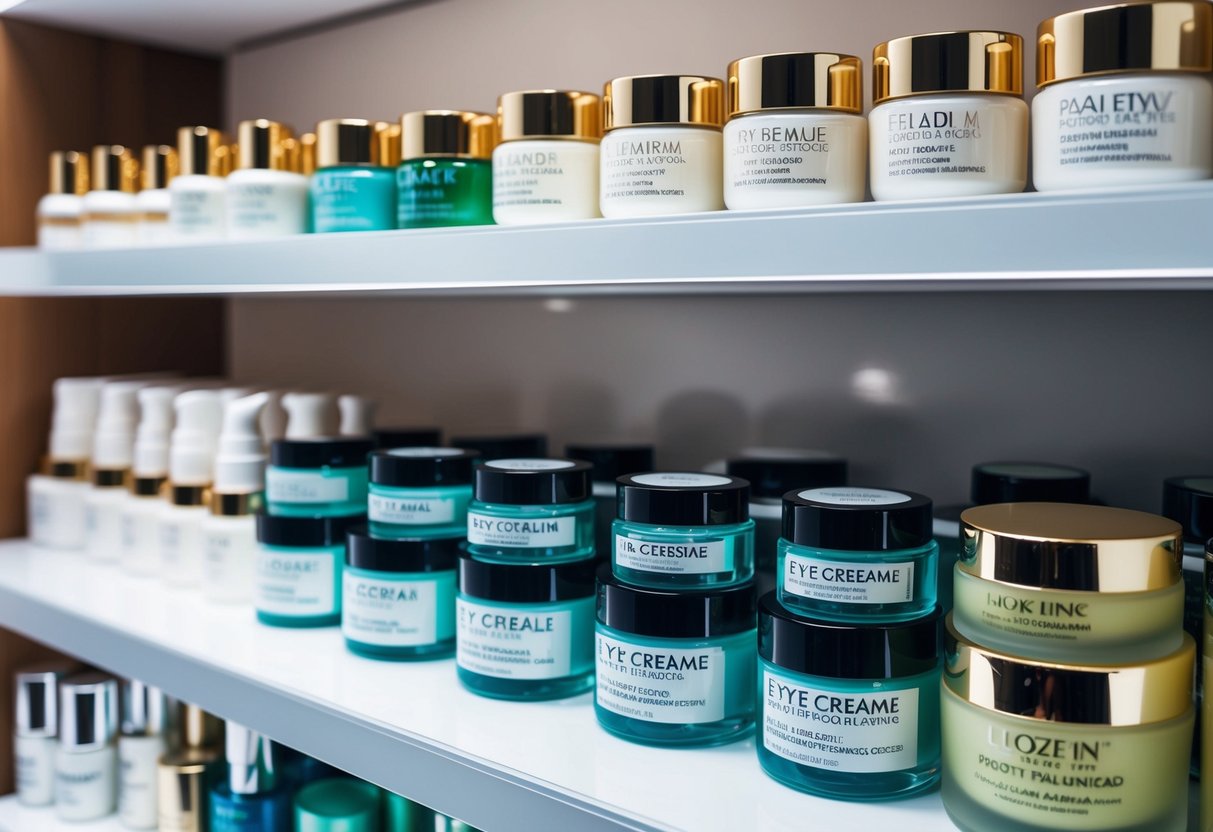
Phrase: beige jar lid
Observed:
(655, 100)
(970, 61)
(550, 114)
(796, 80)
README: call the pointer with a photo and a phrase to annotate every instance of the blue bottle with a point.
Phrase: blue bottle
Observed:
(848, 711)
(251, 799)
(353, 189)
(420, 492)
(298, 569)
(313, 477)
(610, 462)
(531, 510)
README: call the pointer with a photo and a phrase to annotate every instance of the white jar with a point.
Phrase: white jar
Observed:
(229, 550)
(266, 197)
(108, 209)
(795, 135)
(160, 166)
(949, 118)
(662, 153)
(145, 714)
(34, 741)
(196, 196)
(1124, 97)
(85, 761)
(59, 212)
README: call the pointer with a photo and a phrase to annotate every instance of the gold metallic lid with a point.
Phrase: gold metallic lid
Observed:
(1162, 36)
(307, 154)
(794, 80)
(663, 99)
(114, 169)
(1070, 546)
(202, 151)
(346, 141)
(160, 165)
(388, 137)
(948, 62)
(550, 114)
(198, 729)
(448, 133)
(261, 145)
(1133, 694)
(69, 172)
(183, 782)
(236, 505)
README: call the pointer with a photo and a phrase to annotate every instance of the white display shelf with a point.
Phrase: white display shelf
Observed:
(1067, 241)
(17, 818)
(410, 728)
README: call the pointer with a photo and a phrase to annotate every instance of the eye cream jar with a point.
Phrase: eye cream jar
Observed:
(528, 510)
(299, 565)
(420, 492)
(446, 176)
(318, 477)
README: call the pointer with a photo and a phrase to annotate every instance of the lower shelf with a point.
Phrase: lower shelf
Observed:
(14, 817)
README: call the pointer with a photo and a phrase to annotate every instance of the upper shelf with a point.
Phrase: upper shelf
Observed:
(1141, 238)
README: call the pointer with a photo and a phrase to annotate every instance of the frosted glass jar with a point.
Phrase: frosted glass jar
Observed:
(265, 195)
(322, 476)
(420, 492)
(530, 510)
(1125, 96)
(59, 212)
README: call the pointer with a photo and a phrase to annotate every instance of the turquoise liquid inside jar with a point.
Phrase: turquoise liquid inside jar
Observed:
(420, 492)
(531, 510)
(298, 569)
(353, 198)
(318, 477)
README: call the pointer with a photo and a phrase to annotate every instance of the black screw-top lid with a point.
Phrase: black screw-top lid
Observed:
(526, 583)
(423, 467)
(857, 519)
(1189, 502)
(408, 437)
(776, 476)
(523, 445)
(689, 613)
(333, 451)
(847, 651)
(675, 498)
(613, 461)
(305, 532)
(377, 554)
(532, 482)
(1028, 482)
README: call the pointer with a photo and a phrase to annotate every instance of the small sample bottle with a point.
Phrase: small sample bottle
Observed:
(505, 446)
(544, 611)
(143, 741)
(546, 167)
(353, 189)
(675, 668)
(1124, 96)
(388, 438)
(59, 212)
(420, 492)
(266, 195)
(188, 492)
(86, 777)
(873, 687)
(398, 596)
(324, 476)
(299, 566)
(56, 496)
(338, 804)
(110, 470)
(109, 210)
(184, 778)
(35, 733)
(857, 554)
(609, 462)
(683, 529)
(446, 173)
(795, 133)
(528, 510)
(149, 474)
(948, 117)
(251, 798)
(160, 166)
(196, 196)
(662, 152)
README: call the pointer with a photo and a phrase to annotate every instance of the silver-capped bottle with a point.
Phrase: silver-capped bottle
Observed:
(86, 760)
(34, 737)
(142, 742)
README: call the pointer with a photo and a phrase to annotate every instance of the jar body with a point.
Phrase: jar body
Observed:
(181, 556)
(398, 615)
(1130, 129)
(525, 534)
(433, 193)
(110, 219)
(261, 812)
(103, 523)
(666, 557)
(59, 223)
(652, 171)
(353, 198)
(153, 207)
(951, 145)
(1194, 625)
(316, 492)
(298, 587)
(34, 769)
(545, 180)
(266, 203)
(141, 535)
(138, 764)
(229, 550)
(86, 784)
(197, 207)
(418, 512)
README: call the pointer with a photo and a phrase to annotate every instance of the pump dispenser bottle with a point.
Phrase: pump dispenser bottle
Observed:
(111, 470)
(250, 801)
(140, 513)
(196, 196)
(160, 166)
(266, 195)
(142, 742)
(60, 211)
(110, 213)
(191, 469)
(357, 415)
(56, 496)
(34, 737)
(85, 762)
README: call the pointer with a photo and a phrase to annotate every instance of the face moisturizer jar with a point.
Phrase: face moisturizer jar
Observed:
(1125, 96)
(610, 462)
(525, 631)
(352, 188)
(1030, 746)
(948, 117)
(266, 195)
(528, 510)
(60, 210)
(326, 476)
(848, 711)
(662, 153)
(109, 213)
(420, 492)
(446, 176)
(1070, 582)
(795, 134)
(299, 566)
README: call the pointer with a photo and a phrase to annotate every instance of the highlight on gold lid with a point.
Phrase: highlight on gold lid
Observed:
(202, 151)
(307, 154)
(977, 61)
(1133, 694)
(183, 780)
(114, 169)
(1071, 546)
(388, 135)
(1162, 36)
(550, 114)
(346, 141)
(261, 145)
(796, 80)
(69, 172)
(663, 99)
(448, 133)
(160, 165)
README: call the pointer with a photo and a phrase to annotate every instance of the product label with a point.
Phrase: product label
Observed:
(229, 553)
(848, 583)
(847, 496)
(661, 684)
(410, 511)
(300, 583)
(291, 487)
(137, 780)
(560, 177)
(530, 464)
(35, 769)
(697, 558)
(681, 480)
(395, 613)
(267, 207)
(680, 168)
(852, 732)
(796, 152)
(354, 200)
(511, 643)
(1130, 125)
(516, 533)
(930, 141)
(199, 212)
(444, 192)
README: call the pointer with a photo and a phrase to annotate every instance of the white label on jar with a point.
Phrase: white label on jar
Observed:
(520, 533)
(300, 583)
(672, 558)
(545, 180)
(391, 613)
(794, 158)
(661, 684)
(410, 511)
(290, 487)
(511, 643)
(530, 464)
(852, 732)
(1126, 125)
(681, 480)
(424, 453)
(845, 496)
(661, 171)
(848, 583)
(198, 211)
(933, 140)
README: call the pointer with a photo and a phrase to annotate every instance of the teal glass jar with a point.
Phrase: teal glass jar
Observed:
(323, 477)
(525, 630)
(445, 177)
(339, 804)
(299, 566)
(352, 188)
(682, 530)
(610, 462)
(848, 711)
(420, 492)
(398, 596)
(674, 668)
(857, 554)
(530, 510)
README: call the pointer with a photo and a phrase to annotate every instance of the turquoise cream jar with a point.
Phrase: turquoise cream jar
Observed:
(675, 668)
(848, 711)
(420, 492)
(353, 188)
(398, 596)
(299, 565)
(683, 529)
(857, 554)
(609, 462)
(525, 630)
(528, 510)
(317, 477)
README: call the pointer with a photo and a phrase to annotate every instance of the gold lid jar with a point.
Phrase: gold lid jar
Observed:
(663, 100)
(261, 144)
(114, 169)
(160, 165)
(550, 114)
(948, 62)
(389, 137)
(69, 173)
(346, 141)
(448, 133)
(307, 154)
(795, 80)
(203, 151)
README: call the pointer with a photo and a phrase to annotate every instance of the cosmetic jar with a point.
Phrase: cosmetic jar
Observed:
(527, 510)
(948, 116)
(446, 173)
(388, 438)
(676, 530)
(795, 133)
(398, 596)
(266, 194)
(299, 566)
(142, 742)
(525, 630)
(160, 165)
(59, 212)
(1030, 746)
(610, 462)
(108, 208)
(420, 492)
(35, 732)
(662, 152)
(353, 189)
(197, 196)
(1124, 96)
(86, 761)
(848, 711)
(326, 476)
(183, 778)
(546, 167)
(338, 804)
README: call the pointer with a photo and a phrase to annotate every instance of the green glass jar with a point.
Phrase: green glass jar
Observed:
(339, 804)
(446, 176)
